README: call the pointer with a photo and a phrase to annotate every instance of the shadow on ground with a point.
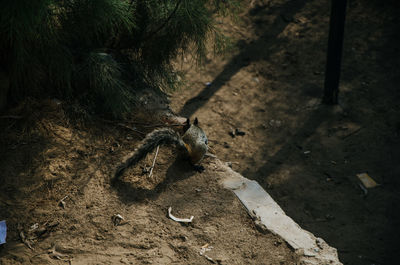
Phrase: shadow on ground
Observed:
(309, 162)
(259, 49)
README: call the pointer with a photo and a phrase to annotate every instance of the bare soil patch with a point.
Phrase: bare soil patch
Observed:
(307, 155)
(304, 154)
(44, 160)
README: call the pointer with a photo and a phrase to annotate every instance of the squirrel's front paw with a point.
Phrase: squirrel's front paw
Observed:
(198, 168)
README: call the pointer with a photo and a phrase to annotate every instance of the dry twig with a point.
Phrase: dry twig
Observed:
(154, 161)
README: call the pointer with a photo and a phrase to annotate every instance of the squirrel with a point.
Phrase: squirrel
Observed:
(193, 144)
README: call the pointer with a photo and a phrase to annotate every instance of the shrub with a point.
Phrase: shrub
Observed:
(100, 51)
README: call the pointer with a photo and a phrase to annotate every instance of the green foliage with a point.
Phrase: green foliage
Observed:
(26, 30)
(90, 24)
(106, 92)
(101, 51)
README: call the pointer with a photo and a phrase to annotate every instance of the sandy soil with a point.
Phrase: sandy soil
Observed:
(268, 86)
(307, 155)
(51, 161)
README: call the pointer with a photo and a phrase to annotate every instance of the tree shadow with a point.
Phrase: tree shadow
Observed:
(309, 127)
(17, 160)
(180, 169)
(357, 220)
(250, 53)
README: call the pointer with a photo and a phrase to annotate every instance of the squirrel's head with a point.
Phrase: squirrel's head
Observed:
(187, 124)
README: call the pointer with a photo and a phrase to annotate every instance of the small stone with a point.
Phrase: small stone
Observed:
(329, 217)
(62, 204)
(145, 169)
(116, 219)
(319, 243)
(239, 132)
(275, 123)
(261, 227)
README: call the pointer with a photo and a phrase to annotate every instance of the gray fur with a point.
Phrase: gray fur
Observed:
(164, 136)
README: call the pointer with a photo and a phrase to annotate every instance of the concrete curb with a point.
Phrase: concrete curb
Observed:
(268, 215)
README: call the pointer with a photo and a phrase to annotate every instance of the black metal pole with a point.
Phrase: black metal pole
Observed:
(334, 54)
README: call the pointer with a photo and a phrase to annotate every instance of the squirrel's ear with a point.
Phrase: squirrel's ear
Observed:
(186, 125)
(196, 121)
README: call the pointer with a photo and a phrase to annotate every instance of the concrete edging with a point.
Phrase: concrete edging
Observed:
(269, 215)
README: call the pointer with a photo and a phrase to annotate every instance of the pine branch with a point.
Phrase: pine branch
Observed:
(165, 22)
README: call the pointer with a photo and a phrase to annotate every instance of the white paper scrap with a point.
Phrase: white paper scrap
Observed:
(176, 219)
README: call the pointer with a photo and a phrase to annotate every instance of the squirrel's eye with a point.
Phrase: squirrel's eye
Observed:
(206, 141)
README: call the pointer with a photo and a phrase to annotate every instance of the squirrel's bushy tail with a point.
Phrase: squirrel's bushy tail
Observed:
(165, 136)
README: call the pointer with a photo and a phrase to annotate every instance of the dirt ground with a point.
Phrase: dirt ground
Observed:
(304, 154)
(54, 161)
(307, 155)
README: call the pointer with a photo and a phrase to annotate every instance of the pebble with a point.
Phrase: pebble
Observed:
(239, 132)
